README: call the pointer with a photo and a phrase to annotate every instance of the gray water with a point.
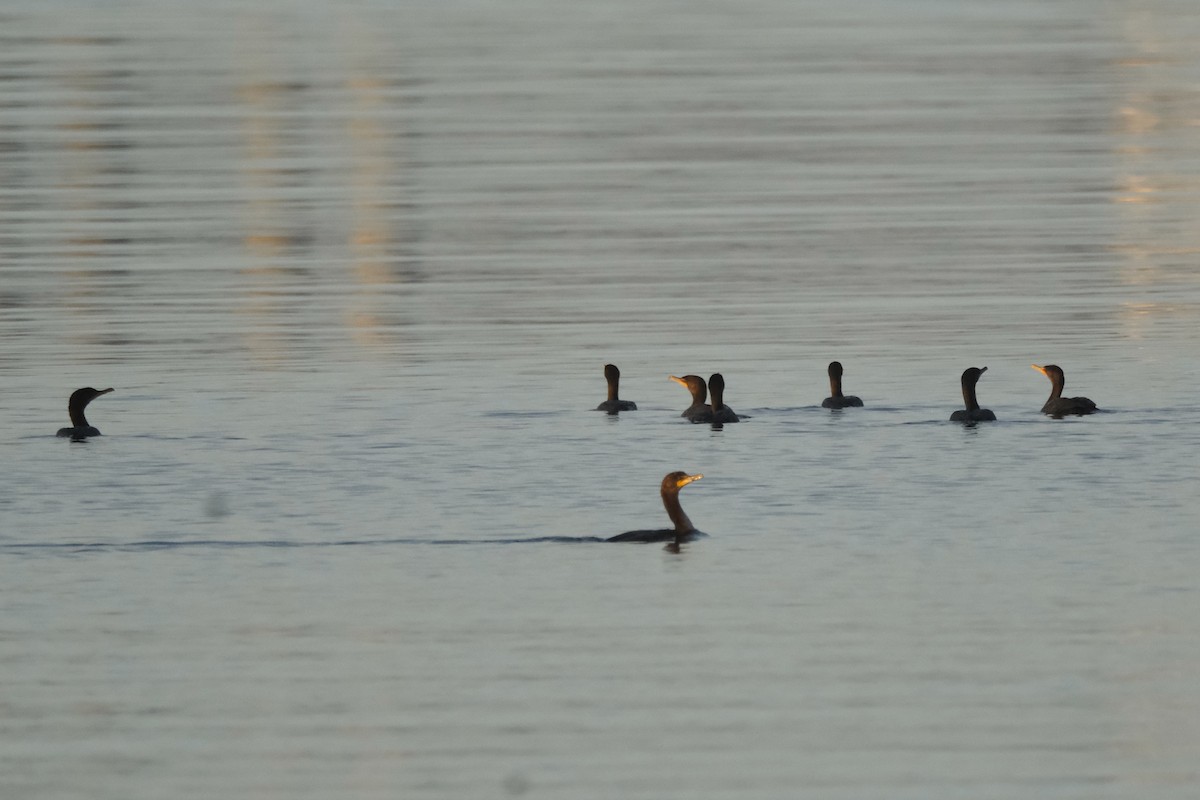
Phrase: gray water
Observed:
(353, 271)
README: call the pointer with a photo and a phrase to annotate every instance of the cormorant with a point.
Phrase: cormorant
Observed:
(612, 405)
(721, 413)
(1057, 405)
(972, 413)
(836, 398)
(684, 530)
(80, 429)
(699, 410)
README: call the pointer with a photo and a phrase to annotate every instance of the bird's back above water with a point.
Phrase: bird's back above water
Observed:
(683, 531)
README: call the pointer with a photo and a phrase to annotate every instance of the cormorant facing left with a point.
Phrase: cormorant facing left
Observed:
(836, 398)
(612, 405)
(684, 530)
(721, 413)
(699, 410)
(80, 429)
(972, 413)
(1057, 405)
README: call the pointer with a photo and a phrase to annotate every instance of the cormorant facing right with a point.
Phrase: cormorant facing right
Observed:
(612, 405)
(972, 413)
(698, 411)
(80, 429)
(721, 413)
(836, 398)
(1057, 405)
(684, 530)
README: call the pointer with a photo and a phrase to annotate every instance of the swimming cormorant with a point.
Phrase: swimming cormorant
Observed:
(972, 413)
(721, 413)
(699, 410)
(612, 405)
(1057, 405)
(836, 398)
(684, 530)
(80, 429)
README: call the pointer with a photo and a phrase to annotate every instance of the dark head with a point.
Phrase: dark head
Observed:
(79, 401)
(835, 369)
(695, 385)
(716, 390)
(676, 481)
(672, 483)
(970, 377)
(1057, 379)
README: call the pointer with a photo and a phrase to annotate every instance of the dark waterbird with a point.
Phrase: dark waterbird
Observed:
(721, 413)
(836, 398)
(972, 412)
(613, 404)
(684, 530)
(80, 429)
(699, 410)
(1058, 406)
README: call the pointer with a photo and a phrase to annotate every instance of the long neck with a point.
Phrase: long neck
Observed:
(675, 512)
(613, 380)
(718, 396)
(76, 411)
(835, 385)
(1057, 382)
(969, 396)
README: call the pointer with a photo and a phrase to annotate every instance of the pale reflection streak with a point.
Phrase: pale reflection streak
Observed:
(1156, 117)
(268, 218)
(90, 155)
(358, 177)
(372, 173)
(383, 237)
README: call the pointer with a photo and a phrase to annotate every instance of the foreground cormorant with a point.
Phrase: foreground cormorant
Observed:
(683, 531)
(721, 413)
(972, 413)
(80, 429)
(1057, 405)
(699, 410)
(836, 398)
(612, 405)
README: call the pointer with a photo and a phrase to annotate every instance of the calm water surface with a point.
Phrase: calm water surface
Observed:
(354, 270)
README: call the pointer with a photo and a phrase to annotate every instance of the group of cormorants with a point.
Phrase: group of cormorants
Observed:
(714, 410)
(708, 401)
(708, 405)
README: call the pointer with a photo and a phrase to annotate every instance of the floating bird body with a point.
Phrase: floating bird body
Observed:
(80, 429)
(721, 413)
(1059, 406)
(683, 530)
(614, 404)
(699, 410)
(836, 399)
(972, 412)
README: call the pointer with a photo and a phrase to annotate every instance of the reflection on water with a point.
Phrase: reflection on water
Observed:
(354, 271)
(329, 178)
(1154, 137)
